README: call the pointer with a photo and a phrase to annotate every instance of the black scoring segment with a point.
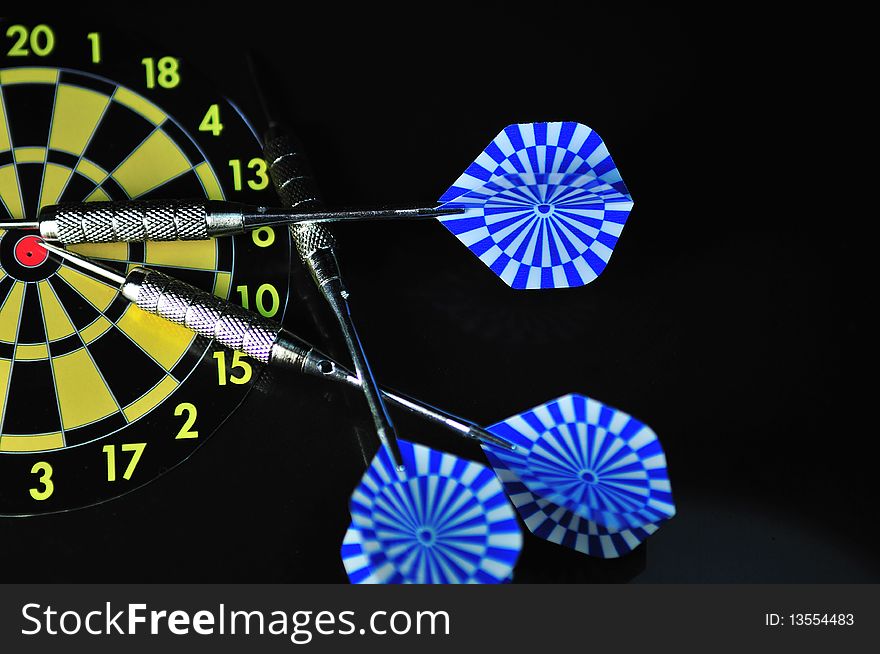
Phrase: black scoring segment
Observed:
(78, 189)
(136, 252)
(191, 357)
(31, 409)
(66, 345)
(31, 329)
(128, 370)
(119, 134)
(63, 159)
(30, 177)
(224, 257)
(29, 113)
(114, 312)
(79, 310)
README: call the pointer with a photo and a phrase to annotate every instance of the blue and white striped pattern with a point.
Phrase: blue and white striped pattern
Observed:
(357, 563)
(561, 526)
(544, 205)
(589, 459)
(443, 520)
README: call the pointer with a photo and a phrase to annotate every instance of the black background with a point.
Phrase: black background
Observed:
(730, 318)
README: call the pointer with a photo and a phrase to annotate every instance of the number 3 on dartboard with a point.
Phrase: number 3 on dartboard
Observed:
(44, 470)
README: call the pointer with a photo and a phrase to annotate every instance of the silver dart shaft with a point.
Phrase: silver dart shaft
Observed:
(256, 336)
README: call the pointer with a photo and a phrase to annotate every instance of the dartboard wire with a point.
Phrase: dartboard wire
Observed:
(46, 158)
(82, 153)
(88, 353)
(52, 366)
(12, 362)
(116, 327)
(12, 150)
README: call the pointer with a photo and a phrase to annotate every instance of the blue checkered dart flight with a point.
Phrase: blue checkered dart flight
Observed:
(543, 206)
(441, 520)
(357, 562)
(584, 475)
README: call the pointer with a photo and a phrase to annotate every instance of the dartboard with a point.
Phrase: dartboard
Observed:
(96, 396)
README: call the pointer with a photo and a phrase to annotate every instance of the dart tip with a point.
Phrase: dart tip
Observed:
(487, 437)
(52, 248)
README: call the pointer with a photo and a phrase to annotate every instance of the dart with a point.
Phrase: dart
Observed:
(260, 338)
(293, 181)
(185, 220)
(542, 206)
(584, 475)
(444, 520)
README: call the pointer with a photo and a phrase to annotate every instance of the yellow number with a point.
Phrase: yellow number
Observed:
(45, 479)
(95, 38)
(272, 292)
(18, 49)
(262, 181)
(211, 121)
(41, 39)
(190, 410)
(164, 72)
(221, 367)
(263, 237)
(260, 171)
(262, 291)
(237, 362)
(110, 451)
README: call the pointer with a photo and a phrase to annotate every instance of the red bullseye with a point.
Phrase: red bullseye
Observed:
(29, 253)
